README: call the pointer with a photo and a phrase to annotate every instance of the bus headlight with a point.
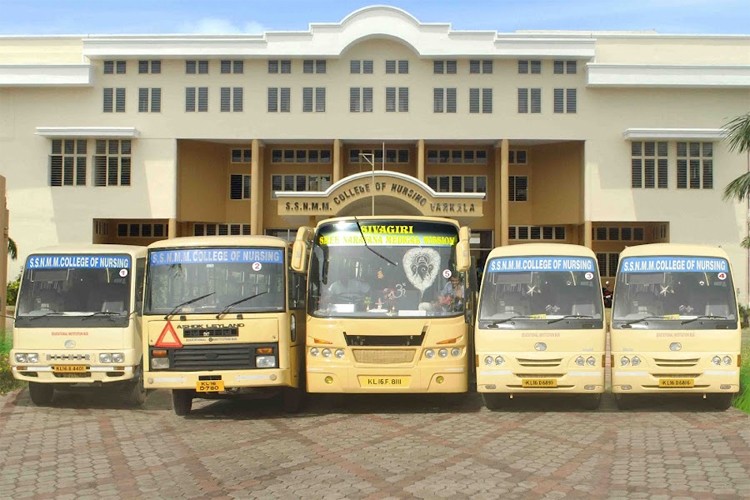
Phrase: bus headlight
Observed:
(159, 363)
(488, 360)
(591, 361)
(499, 360)
(27, 357)
(624, 361)
(339, 353)
(314, 351)
(105, 357)
(429, 354)
(716, 360)
(580, 361)
(636, 361)
(455, 352)
(118, 357)
(443, 353)
(727, 360)
(326, 352)
(111, 357)
(265, 361)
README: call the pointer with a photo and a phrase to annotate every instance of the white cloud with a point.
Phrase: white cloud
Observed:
(218, 26)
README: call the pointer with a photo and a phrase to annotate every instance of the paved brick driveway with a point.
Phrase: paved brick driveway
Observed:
(89, 446)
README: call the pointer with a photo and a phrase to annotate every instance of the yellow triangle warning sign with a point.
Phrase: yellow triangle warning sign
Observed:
(168, 337)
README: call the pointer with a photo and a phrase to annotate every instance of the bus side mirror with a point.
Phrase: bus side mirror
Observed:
(299, 249)
(463, 250)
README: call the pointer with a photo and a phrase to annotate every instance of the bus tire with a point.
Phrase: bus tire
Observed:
(495, 401)
(721, 401)
(135, 392)
(591, 401)
(292, 399)
(41, 394)
(624, 401)
(182, 401)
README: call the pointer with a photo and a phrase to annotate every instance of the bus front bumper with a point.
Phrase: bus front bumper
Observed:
(231, 380)
(390, 380)
(79, 367)
(642, 382)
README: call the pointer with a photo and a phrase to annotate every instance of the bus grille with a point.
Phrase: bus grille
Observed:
(539, 362)
(383, 340)
(383, 356)
(666, 363)
(213, 357)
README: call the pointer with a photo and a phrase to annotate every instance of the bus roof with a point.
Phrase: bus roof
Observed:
(565, 249)
(221, 241)
(404, 218)
(97, 248)
(673, 249)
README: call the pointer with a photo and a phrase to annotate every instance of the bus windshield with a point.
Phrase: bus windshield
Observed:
(518, 292)
(406, 269)
(215, 280)
(70, 290)
(684, 292)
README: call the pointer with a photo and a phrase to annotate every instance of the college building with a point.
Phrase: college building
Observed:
(605, 139)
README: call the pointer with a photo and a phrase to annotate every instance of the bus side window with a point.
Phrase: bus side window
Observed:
(140, 270)
(296, 290)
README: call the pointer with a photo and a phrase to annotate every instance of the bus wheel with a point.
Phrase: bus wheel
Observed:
(41, 394)
(624, 401)
(591, 401)
(135, 393)
(720, 401)
(495, 401)
(292, 399)
(182, 401)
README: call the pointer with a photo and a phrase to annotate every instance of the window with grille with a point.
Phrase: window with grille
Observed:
(149, 100)
(67, 162)
(623, 233)
(153, 67)
(138, 230)
(232, 67)
(112, 161)
(526, 67)
(360, 99)
(114, 100)
(458, 183)
(319, 156)
(477, 66)
(400, 66)
(608, 262)
(357, 156)
(565, 67)
(565, 100)
(649, 164)
(444, 100)
(457, 156)
(518, 188)
(280, 66)
(357, 66)
(210, 229)
(231, 99)
(530, 100)
(397, 99)
(480, 100)
(300, 182)
(444, 67)
(313, 99)
(241, 155)
(196, 99)
(279, 100)
(518, 157)
(695, 165)
(115, 67)
(536, 233)
(239, 187)
(314, 66)
(194, 66)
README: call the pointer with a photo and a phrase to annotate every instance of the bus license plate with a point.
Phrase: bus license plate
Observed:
(676, 382)
(209, 386)
(367, 381)
(533, 383)
(69, 368)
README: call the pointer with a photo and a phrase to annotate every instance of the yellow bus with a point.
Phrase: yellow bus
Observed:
(223, 317)
(675, 325)
(540, 327)
(78, 321)
(389, 306)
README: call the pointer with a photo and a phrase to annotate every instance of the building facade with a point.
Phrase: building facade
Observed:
(601, 139)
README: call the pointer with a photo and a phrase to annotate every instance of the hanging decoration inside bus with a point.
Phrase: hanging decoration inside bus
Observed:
(216, 256)
(540, 263)
(349, 238)
(674, 264)
(421, 266)
(71, 261)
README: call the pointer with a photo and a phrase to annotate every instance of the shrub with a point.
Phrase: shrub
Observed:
(12, 290)
(7, 382)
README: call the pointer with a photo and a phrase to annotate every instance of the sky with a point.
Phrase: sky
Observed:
(81, 17)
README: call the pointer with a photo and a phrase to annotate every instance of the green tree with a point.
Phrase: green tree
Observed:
(738, 136)
(12, 249)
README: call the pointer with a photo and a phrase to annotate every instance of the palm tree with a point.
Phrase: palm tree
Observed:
(12, 249)
(738, 135)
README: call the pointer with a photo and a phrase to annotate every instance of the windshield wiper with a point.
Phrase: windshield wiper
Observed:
(372, 249)
(108, 314)
(568, 316)
(633, 321)
(510, 318)
(186, 303)
(703, 316)
(50, 313)
(244, 299)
